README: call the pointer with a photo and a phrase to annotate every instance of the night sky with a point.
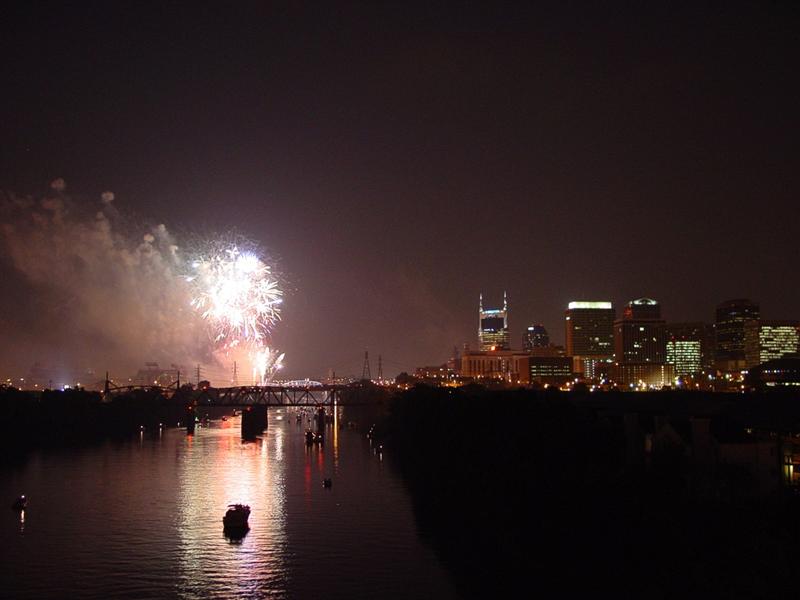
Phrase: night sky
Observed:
(398, 159)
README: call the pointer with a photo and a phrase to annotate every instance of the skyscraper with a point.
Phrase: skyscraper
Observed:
(493, 326)
(535, 336)
(730, 319)
(687, 347)
(589, 332)
(767, 340)
(640, 345)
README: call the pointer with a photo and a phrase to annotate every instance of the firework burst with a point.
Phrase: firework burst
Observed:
(236, 293)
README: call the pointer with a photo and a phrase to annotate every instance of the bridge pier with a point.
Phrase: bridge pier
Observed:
(189, 417)
(321, 419)
(254, 421)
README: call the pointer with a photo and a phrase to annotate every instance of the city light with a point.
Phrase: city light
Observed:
(589, 305)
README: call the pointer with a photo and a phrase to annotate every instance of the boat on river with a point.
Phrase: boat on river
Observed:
(20, 503)
(236, 517)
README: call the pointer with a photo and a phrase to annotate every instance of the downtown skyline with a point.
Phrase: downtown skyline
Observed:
(397, 163)
(399, 299)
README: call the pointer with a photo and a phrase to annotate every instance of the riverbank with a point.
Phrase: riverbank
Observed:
(55, 418)
(531, 491)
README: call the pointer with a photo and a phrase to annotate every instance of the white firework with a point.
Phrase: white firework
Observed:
(266, 363)
(237, 294)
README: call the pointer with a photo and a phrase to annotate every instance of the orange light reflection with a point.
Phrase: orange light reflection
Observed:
(216, 470)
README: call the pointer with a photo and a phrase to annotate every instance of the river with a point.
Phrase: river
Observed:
(142, 518)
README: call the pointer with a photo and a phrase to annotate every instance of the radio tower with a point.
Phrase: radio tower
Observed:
(380, 368)
(235, 380)
(365, 373)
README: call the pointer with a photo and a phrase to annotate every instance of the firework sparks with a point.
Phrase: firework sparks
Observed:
(238, 296)
(266, 362)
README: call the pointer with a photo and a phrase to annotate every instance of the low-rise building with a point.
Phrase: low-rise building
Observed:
(546, 370)
(778, 374)
(545, 366)
(493, 364)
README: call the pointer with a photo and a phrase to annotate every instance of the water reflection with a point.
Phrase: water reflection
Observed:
(335, 436)
(158, 502)
(235, 536)
(279, 445)
(218, 469)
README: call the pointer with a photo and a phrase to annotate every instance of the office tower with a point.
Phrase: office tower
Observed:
(493, 326)
(687, 346)
(640, 345)
(767, 340)
(729, 327)
(535, 336)
(589, 332)
(709, 347)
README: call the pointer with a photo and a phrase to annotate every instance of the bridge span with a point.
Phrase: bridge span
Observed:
(271, 395)
(257, 399)
(309, 394)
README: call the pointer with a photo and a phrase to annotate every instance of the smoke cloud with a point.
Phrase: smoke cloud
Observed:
(85, 290)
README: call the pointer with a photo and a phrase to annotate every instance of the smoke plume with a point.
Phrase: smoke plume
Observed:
(85, 290)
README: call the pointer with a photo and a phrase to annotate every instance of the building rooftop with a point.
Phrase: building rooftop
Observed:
(589, 304)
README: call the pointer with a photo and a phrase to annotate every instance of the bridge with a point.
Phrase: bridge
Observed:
(277, 395)
(256, 399)
(302, 393)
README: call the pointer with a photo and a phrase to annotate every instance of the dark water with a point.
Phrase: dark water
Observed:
(143, 519)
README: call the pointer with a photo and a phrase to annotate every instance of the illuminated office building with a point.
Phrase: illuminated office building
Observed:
(730, 319)
(688, 347)
(685, 356)
(493, 327)
(535, 336)
(589, 333)
(640, 346)
(767, 340)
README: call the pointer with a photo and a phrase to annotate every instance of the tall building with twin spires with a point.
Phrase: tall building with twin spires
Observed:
(493, 331)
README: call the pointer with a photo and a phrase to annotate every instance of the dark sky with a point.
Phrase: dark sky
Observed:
(400, 159)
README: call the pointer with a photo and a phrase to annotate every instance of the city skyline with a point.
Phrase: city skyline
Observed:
(675, 350)
(401, 162)
(293, 292)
